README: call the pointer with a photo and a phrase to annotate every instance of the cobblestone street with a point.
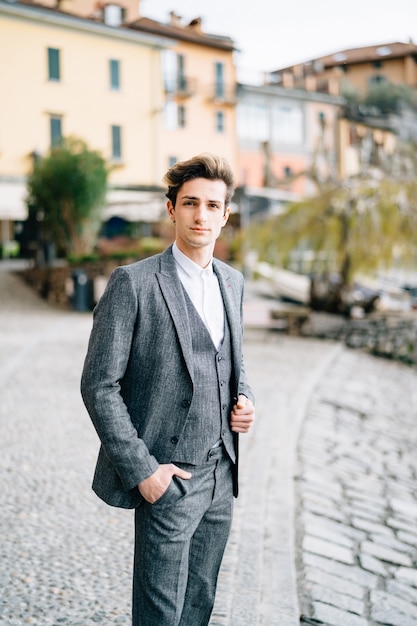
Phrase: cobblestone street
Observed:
(338, 544)
(357, 495)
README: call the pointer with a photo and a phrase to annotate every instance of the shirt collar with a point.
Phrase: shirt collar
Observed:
(188, 266)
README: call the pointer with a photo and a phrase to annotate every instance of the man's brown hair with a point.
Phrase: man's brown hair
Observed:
(204, 165)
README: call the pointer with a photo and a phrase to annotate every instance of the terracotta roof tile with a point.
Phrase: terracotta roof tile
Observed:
(183, 33)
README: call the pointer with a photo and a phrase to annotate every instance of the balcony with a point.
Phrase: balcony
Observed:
(180, 87)
(222, 94)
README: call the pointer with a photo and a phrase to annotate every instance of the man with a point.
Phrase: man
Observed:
(165, 387)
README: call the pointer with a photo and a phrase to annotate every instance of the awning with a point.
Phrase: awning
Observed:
(12, 201)
(134, 206)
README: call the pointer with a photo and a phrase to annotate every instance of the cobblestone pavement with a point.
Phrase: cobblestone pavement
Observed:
(65, 557)
(357, 500)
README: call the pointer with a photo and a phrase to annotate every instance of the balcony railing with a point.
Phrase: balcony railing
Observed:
(221, 93)
(180, 86)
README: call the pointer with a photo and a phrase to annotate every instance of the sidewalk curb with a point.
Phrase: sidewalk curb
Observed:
(288, 586)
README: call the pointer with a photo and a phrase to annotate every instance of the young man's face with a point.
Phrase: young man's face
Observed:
(199, 214)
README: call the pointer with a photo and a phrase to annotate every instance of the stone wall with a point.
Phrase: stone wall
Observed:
(57, 284)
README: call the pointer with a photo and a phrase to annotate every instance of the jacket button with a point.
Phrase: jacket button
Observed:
(174, 439)
(186, 403)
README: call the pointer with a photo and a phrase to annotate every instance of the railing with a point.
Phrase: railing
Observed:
(221, 93)
(180, 86)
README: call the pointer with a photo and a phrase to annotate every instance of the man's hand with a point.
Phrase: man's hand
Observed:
(242, 416)
(153, 487)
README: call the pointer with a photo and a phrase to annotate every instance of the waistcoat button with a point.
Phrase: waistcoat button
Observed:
(174, 439)
(186, 403)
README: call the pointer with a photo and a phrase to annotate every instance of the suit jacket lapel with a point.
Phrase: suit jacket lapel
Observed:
(231, 298)
(173, 294)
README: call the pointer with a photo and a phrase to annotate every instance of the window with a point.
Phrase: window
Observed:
(173, 70)
(220, 121)
(379, 79)
(253, 121)
(174, 115)
(170, 115)
(219, 85)
(116, 143)
(114, 15)
(182, 81)
(55, 130)
(288, 124)
(287, 171)
(171, 161)
(53, 64)
(114, 74)
(181, 116)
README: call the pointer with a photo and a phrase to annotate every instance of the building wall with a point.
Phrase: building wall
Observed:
(199, 133)
(281, 132)
(397, 71)
(82, 97)
(92, 8)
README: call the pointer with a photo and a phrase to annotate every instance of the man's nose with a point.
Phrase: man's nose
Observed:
(200, 214)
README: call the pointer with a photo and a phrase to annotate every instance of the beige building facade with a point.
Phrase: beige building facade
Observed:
(143, 94)
(199, 82)
(73, 77)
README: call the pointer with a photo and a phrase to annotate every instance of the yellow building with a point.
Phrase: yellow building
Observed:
(142, 93)
(199, 81)
(62, 75)
(361, 68)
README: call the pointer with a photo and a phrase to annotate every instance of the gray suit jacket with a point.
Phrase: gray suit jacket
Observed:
(137, 382)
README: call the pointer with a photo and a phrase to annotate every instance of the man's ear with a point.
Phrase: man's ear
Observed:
(226, 216)
(171, 210)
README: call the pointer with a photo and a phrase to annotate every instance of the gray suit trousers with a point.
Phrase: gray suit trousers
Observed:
(179, 546)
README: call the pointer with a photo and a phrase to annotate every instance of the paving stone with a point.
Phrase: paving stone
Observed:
(333, 527)
(328, 595)
(386, 554)
(398, 523)
(370, 526)
(407, 538)
(371, 564)
(334, 514)
(336, 583)
(390, 609)
(348, 572)
(407, 575)
(388, 541)
(407, 508)
(369, 511)
(328, 549)
(323, 531)
(332, 616)
(402, 591)
(368, 496)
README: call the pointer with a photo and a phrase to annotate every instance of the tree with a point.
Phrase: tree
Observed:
(380, 99)
(68, 188)
(357, 225)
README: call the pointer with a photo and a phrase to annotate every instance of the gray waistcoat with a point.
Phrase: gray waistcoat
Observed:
(209, 415)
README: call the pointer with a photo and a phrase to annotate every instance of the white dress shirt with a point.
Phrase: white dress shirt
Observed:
(202, 287)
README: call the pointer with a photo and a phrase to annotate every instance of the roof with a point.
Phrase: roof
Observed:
(365, 54)
(369, 53)
(34, 9)
(190, 33)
